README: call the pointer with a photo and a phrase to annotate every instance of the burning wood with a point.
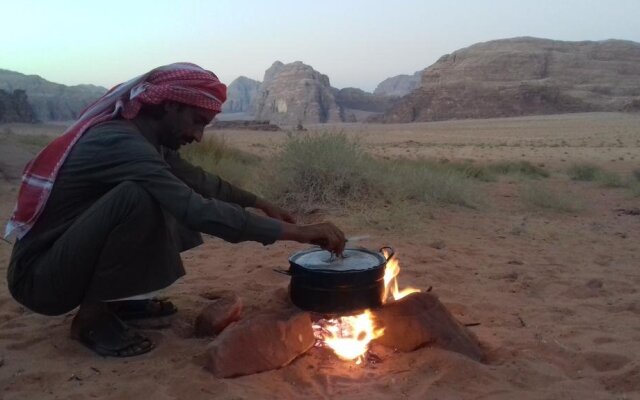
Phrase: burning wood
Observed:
(347, 336)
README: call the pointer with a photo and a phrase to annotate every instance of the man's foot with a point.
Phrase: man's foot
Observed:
(103, 332)
(142, 309)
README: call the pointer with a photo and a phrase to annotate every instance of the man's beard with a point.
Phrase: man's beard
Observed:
(172, 140)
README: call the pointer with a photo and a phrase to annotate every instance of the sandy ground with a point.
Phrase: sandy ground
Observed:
(556, 294)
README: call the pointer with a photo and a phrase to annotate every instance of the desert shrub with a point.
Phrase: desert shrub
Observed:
(332, 169)
(522, 168)
(488, 172)
(593, 173)
(583, 172)
(429, 182)
(541, 197)
(636, 174)
(215, 155)
(610, 179)
(319, 168)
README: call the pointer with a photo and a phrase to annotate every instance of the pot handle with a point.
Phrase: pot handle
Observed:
(392, 252)
(282, 271)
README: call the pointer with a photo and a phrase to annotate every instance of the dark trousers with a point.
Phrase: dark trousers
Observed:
(122, 246)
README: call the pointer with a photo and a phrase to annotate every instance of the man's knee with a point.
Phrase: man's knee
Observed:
(135, 197)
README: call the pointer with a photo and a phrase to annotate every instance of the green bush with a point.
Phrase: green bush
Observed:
(319, 168)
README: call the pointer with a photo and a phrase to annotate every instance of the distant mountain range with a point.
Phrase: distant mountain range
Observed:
(49, 101)
(500, 78)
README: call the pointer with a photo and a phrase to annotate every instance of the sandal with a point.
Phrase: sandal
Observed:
(109, 336)
(142, 309)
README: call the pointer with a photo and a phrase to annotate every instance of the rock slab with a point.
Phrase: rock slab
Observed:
(420, 319)
(218, 315)
(259, 344)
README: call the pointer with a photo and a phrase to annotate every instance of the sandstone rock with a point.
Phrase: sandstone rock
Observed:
(356, 99)
(400, 85)
(241, 96)
(51, 101)
(218, 315)
(296, 93)
(259, 344)
(525, 76)
(420, 319)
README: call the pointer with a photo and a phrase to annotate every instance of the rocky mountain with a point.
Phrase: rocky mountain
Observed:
(525, 76)
(14, 107)
(399, 85)
(50, 101)
(356, 104)
(295, 93)
(241, 96)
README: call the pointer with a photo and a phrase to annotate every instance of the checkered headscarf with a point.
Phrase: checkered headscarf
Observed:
(181, 82)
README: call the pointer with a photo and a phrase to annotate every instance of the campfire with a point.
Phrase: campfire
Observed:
(402, 320)
(349, 336)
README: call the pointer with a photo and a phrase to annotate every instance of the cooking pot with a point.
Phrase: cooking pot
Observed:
(325, 283)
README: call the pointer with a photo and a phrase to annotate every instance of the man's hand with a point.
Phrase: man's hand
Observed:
(325, 234)
(274, 211)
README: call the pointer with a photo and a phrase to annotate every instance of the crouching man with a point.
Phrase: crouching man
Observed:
(105, 210)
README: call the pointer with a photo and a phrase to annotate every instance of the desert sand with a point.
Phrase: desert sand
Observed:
(555, 294)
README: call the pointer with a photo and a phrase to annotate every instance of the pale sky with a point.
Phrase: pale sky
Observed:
(356, 43)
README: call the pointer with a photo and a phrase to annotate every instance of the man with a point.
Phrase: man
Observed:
(104, 211)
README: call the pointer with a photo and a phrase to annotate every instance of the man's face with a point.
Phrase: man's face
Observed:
(184, 124)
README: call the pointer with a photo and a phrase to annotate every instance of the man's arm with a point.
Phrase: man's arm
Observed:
(213, 187)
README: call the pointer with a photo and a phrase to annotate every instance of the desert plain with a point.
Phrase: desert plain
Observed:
(549, 283)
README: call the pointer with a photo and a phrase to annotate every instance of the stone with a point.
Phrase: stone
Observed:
(241, 96)
(420, 319)
(217, 315)
(259, 344)
(400, 85)
(295, 93)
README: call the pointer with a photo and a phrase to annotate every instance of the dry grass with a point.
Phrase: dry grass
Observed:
(541, 197)
(34, 142)
(593, 173)
(330, 169)
(215, 155)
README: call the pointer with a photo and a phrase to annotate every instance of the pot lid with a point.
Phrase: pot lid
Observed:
(351, 260)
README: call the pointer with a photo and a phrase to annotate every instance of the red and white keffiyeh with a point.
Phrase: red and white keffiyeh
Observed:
(181, 82)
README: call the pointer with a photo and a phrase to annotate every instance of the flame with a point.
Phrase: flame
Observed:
(349, 336)
(391, 272)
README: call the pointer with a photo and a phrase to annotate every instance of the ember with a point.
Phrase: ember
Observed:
(349, 336)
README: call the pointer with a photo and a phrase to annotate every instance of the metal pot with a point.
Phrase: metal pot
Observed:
(324, 283)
